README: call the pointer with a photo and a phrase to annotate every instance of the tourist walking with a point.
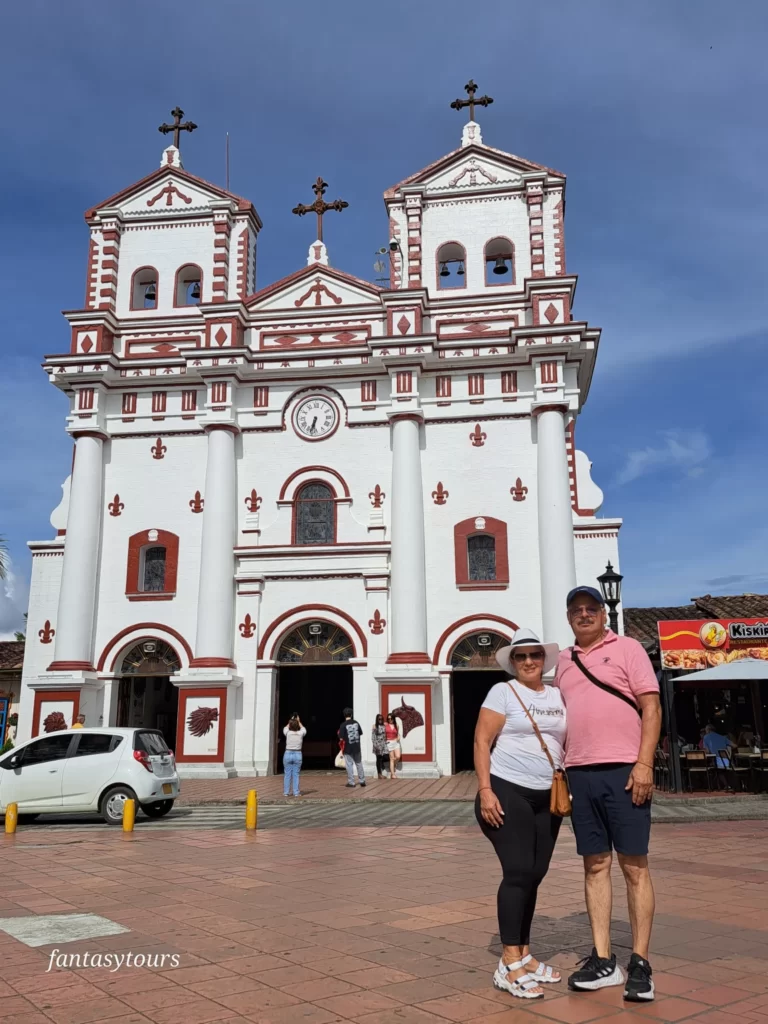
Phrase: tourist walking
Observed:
(379, 743)
(350, 734)
(394, 744)
(519, 743)
(611, 696)
(294, 734)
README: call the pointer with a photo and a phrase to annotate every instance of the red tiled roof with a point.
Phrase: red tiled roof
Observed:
(642, 623)
(11, 654)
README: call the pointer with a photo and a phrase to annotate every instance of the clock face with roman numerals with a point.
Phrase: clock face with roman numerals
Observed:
(315, 418)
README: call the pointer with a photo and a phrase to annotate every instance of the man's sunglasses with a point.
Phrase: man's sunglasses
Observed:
(521, 656)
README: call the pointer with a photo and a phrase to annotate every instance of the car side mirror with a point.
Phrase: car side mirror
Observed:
(11, 762)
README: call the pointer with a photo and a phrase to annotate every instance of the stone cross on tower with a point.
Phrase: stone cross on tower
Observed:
(480, 101)
(177, 127)
(319, 206)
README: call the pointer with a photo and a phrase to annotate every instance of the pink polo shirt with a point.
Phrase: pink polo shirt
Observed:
(602, 729)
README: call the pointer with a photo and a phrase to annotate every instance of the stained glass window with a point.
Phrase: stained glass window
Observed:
(151, 658)
(481, 554)
(315, 642)
(477, 651)
(315, 515)
(154, 569)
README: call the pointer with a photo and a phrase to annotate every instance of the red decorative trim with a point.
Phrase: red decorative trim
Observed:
(392, 689)
(315, 610)
(443, 386)
(208, 427)
(212, 663)
(116, 506)
(49, 697)
(197, 503)
(512, 626)
(368, 391)
(261, 396)
(377, 496)
(317, 289)
(135, 545)
(247, 627)
(169, 191)
(409, 658)
(243, 247)
(462, 531)
(509, 255)
(548, 372)
(478, 437)
(476, 383)
(570, 449)
(90, 277)
(184, 695)
(139, 628)
(559, 232)
(140, 270)
(440, 496)
(377, 624)
(518, 492)
(85, 397)
(46, 634)
(151, 596)
(130, 399)
(253, 501)
(188, 404)
(405, 416)
(553, 407)
(70, 666)
(509, 382)
(313, 469)
(158, 449)
(176, 282)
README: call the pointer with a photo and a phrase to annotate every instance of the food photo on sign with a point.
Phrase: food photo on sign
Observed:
(692, 644)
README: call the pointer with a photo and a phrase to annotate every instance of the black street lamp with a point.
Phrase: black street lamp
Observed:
(610, 584)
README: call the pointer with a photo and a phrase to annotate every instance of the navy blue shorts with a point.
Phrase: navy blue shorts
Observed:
(604, 817)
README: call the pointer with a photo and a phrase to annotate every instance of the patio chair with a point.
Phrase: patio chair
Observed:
(696, 764)
(661, 774)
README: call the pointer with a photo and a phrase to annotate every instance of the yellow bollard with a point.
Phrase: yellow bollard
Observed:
(251, 810)
(11, 818)
(129, 815)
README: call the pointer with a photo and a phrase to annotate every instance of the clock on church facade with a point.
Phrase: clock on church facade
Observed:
(317, 492)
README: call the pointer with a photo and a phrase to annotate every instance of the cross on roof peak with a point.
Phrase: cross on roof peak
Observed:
(177, 127)
(473, 101)
(320, 206)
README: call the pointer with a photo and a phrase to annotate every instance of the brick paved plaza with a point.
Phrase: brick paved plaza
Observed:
(373, 925)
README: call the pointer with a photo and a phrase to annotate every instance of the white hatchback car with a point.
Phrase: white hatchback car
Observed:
(85, 769)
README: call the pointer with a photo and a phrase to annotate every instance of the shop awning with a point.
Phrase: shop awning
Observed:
(732, 672)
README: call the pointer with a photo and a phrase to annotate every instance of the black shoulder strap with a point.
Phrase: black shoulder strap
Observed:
(604, 686)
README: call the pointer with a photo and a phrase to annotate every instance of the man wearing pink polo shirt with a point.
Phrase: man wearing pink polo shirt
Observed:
(611, 696)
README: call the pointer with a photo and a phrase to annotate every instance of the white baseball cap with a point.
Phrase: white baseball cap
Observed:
(527, 638)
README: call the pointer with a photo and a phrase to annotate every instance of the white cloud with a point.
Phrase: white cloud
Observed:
(683, 450)
(13, 598)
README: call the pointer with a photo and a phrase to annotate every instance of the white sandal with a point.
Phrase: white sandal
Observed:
(520, 987)
(543, 973)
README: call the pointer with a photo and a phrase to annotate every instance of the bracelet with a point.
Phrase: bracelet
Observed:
(645, 764)
(480, 790)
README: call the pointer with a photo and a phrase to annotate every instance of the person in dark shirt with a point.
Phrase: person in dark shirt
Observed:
(350, 734)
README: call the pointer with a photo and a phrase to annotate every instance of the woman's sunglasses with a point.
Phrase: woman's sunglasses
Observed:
(520, 656)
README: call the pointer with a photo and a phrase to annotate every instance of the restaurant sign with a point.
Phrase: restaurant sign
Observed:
(698, 644)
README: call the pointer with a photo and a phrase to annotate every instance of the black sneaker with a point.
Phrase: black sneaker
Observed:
(595, 972)
(639, 987)
(350, 785)
(363, 785)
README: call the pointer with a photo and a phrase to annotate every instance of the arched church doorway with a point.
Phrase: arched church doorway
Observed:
(314, 680)
(474, 671)
(147, 699)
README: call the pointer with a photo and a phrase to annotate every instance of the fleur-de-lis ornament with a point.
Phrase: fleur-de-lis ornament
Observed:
(115, 506)
(477, 437)
(196, 504)
(377, 496)
(247, 627)
(440, 496)
(46, 634)
(158, 449)
(377, 624)
(518, 492)
(253, 501)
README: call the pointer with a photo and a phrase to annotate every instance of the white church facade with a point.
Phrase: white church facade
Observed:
(321, 493)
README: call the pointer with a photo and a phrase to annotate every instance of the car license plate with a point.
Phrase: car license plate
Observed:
(167, 787)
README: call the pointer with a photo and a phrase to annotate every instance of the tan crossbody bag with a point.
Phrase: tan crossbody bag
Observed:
(560, 796)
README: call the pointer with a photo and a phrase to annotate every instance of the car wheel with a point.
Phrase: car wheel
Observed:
(158, 809)
(113, 803)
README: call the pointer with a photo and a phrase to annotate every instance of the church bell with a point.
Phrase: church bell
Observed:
(501, 266)
(460, 271)
(194, 293)
(444, 271)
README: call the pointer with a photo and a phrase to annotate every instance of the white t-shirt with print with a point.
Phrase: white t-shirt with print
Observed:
(517, 756)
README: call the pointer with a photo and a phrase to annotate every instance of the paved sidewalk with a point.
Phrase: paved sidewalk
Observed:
(388, 925)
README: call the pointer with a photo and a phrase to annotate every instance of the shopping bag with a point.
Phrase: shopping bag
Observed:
(340, 762)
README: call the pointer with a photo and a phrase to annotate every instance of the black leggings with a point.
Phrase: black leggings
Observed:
(524, 845)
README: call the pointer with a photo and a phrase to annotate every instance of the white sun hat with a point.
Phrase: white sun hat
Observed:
(527, 638)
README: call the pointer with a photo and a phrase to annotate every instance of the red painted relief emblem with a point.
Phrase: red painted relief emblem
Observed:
(86, 345)
(54, 722)
(196, 504)
(220, 336)
(115, 506)
(377, 624)
(403, 324)
(169, 192)
(478, 437)
(410, 717)
(377, 496)
(551, 313)
(440, 496)
(46, 634)
(158, 449)
(202, 720)
(253, 501)
(518, 492)
(247, 627)
(318, 289)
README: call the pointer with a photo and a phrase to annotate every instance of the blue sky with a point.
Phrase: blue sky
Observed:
(655, 111)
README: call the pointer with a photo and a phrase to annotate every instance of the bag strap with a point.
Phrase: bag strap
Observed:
(604, 686)
(530, 718)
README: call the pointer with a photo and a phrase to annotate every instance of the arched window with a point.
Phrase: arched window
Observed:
(451, 271)
(153, 569)
(144, 289)
(500, 262)
(315, 515)
(481, 557)
(189, 285)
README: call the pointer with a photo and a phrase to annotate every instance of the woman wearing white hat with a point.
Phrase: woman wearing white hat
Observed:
(514, 778)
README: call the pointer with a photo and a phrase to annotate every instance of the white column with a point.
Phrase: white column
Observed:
(77, 596)
(556, 555)
(408, 564)
(216, 597)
